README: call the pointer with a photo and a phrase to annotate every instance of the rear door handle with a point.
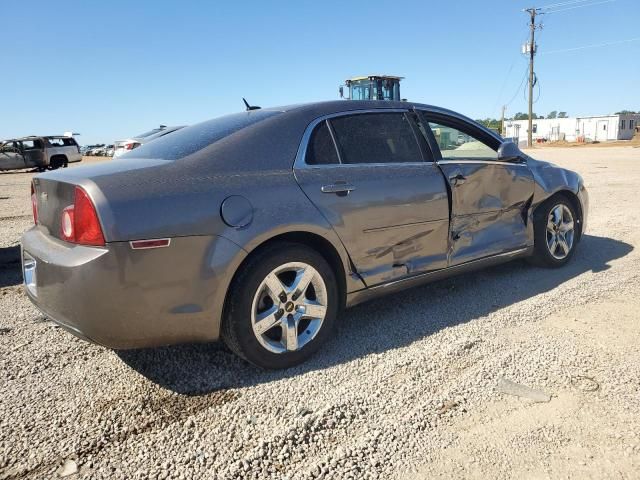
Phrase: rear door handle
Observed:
(457, 180)
(340, 188)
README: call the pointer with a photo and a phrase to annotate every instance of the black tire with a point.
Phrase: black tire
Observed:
(542, 255)
(57, 162)
(237, 330)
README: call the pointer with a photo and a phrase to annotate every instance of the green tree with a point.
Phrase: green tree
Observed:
(524, 116)
(552, 114)
(489, 122)
(562, 115)
(624, 112)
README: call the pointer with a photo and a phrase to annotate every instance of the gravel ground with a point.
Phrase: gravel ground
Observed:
(409, 388)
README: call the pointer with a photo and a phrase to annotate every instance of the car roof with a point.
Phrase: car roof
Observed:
(319, 109)
(337, 106)
(31, 137)
(272, 143)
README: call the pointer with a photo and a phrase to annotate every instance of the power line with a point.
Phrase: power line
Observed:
(562, 4)
(504, 83)
(575, 49)
(524, 77)
(506, 78)
(577, 6)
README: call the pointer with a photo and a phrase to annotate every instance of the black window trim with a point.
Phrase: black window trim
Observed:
(335, 142)
(300, 160)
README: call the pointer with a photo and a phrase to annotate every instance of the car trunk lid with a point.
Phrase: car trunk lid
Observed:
(52, 197)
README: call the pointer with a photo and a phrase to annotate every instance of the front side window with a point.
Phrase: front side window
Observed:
(376, 138)
(10, 147)
(622, 124)
(631, 124)
(321, 149)
(458, 145)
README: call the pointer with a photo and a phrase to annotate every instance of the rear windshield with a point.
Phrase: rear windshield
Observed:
(189, 140)
(149, 133)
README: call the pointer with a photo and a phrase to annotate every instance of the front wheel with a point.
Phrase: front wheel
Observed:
(282, 307)
(555, 232)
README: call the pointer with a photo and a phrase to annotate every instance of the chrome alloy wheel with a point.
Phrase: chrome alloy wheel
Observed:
(560, 231)
(289, 307)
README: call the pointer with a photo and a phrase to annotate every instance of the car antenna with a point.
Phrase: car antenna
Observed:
(250, 107)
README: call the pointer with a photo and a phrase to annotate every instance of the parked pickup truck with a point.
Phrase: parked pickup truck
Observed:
(42, 153)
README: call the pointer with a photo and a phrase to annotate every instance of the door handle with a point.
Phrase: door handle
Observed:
(457, 180)
(340, 188)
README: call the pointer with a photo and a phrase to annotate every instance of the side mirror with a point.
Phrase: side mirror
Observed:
(509, 152)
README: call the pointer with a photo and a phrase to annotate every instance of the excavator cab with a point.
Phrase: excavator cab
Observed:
(372, 87)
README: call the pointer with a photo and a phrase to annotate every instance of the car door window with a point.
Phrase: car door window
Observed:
(376, 138)
(455, 144)
(321, 149)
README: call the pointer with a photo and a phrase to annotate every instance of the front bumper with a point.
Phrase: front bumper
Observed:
(123, 298)
(583, 197)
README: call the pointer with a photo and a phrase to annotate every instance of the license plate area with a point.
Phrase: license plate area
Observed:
(29, 273)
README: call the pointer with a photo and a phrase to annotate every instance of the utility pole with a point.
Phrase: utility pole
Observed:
(531, 48)
(502, 132)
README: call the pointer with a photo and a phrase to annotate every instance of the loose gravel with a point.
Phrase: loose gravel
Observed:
(409, 387)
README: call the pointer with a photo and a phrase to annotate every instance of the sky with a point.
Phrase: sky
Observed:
(113, 69)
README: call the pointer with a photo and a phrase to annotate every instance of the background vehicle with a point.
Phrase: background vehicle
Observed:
(372, 87)
(93, 150)
(124, 146)
(38, 152)
(97, 151)
(301, 211)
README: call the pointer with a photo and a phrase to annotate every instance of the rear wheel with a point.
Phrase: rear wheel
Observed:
(57, 162)
(555, 232)
(282, 307)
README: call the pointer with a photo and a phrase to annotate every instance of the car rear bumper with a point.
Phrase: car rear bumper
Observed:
(123, 298)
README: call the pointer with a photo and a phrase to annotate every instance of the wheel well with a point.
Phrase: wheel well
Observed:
(62, 158)
(320, 244)
(575, 203)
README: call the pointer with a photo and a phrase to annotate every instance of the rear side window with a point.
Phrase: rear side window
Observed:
(62, 142)
(55, 142)
(321, 150)
(189, 140)
(376, 138)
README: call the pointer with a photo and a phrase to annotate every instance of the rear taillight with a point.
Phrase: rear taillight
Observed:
(79, 222)
(34, 204)
(131, 145)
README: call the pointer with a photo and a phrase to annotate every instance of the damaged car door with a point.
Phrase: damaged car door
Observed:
(11, 156)
(371, 175)
(490, 198)
(33, 151)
